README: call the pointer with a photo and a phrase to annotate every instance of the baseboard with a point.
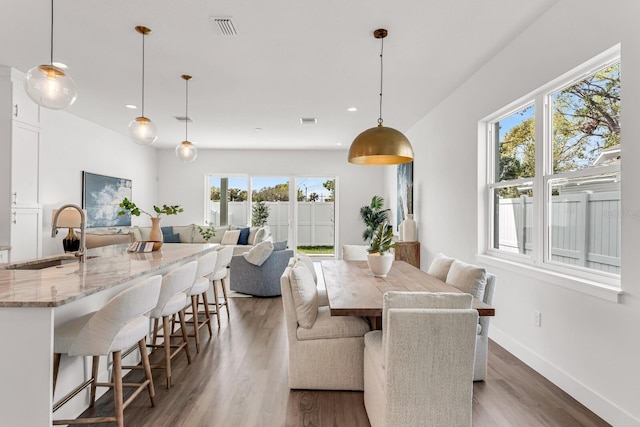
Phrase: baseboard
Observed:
(597, 403)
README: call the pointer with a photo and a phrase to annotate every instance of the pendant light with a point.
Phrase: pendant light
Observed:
(49, 86)
(141, 129)
(186, 151)
(380, 145)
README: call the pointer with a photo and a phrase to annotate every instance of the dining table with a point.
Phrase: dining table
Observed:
(353, 290)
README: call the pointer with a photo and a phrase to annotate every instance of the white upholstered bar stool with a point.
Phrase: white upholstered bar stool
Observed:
(119, 325)
(206, 267)
(173, 300)
(221, 277)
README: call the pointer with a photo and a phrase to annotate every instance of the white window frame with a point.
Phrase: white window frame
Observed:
(539, 264)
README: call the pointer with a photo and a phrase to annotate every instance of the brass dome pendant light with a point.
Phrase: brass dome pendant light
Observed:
(186, 151)
(380, 145)
(141, 129)
(49, 86)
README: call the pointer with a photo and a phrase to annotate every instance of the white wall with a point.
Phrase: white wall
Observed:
(588, 346)
(70, 145)
(184, 184)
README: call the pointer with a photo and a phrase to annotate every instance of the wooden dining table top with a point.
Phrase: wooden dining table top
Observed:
(354, 291)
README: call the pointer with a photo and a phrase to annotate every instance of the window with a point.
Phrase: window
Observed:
(554, 175)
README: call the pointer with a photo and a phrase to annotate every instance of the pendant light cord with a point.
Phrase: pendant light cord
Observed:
(51, 50)
(142, 103)
(186, 110)
(381, 71)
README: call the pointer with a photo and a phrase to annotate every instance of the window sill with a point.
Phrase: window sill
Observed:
(588, 287)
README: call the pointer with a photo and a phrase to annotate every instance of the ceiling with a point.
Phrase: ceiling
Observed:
(291, 59)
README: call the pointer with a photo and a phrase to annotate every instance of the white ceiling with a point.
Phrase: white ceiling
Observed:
(290, 59)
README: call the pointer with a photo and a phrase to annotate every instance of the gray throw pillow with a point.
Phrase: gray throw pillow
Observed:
(468, 278)
(440, 266)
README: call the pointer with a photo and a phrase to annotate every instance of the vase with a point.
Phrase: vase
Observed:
(409, 231)
(380, 265)
(155, 235)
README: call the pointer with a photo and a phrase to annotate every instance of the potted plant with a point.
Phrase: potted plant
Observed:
(127, 206)
(207, 232)
(380, 258)
(372, 216)
(259, 214)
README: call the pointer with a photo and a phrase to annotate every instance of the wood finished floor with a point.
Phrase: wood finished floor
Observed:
(239, 378)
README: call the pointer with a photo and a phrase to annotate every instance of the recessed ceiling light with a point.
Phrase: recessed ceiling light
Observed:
(131, 106)
(352, 109)
(257, 129)
(308, 120)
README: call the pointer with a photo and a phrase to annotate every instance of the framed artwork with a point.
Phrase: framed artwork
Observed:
(101, 196)
(405, 191)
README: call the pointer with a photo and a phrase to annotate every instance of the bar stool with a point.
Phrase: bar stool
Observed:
(206, 266)
(117, 326)
(221, 276)
(173, 300)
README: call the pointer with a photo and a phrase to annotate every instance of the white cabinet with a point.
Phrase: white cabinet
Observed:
(26, 239)
(4, 256)
(20, 209)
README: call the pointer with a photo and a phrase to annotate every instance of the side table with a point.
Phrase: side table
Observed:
(408, 252)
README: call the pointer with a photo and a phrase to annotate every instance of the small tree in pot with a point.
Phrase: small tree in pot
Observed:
(380, 258)
(372, 216)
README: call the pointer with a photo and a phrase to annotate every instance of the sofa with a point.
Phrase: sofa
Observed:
(241, 238)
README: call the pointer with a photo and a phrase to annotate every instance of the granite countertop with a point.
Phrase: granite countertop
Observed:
(105, 267)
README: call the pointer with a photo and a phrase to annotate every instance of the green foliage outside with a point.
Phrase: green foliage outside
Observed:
(586, 120)
(330, 185)
(372, 216)
(316, 250)
(259, 214)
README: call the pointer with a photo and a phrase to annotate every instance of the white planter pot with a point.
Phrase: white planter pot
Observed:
(380, 264)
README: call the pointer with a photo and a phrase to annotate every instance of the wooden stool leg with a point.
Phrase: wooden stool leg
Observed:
(205, 300)
(94, 375)
(185, 337)
(147, 371)
(167, 349)
(224, 291)
(56, 367)
(155, 331)
(196, 328)
(215, 298)
(117, 388)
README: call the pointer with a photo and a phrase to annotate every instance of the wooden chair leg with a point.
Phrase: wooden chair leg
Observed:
(167, 348)
(185, 337)
(224, 291)
(205, 300)
(117, 388)
(56, 368)
(215, 300)
(94, 376)
(196, 328)
(147, 370)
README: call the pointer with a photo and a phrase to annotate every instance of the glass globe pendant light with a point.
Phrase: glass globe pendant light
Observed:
(380, 145)
(49, 86)
(141, 129)
(186, 151)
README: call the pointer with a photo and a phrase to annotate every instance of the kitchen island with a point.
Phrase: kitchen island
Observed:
(37, 295)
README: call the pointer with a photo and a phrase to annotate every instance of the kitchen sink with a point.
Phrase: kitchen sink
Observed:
(42, 264)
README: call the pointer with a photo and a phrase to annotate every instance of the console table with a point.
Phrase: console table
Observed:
(408, 252)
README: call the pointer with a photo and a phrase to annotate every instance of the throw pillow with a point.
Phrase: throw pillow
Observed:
(305, 295)
(306, 259)
(243, 239)
(230, 237)
(261, 235)
(440, 266)
(468, 278)
(167, 230)
(144, 233)
(259, 253)
(280, 246)
(171, 238)
(252, 235)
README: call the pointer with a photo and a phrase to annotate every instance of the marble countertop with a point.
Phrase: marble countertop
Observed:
(105, 267)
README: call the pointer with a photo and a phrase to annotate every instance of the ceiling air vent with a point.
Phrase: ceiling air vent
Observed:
(224, 26)
(308, 120)
(183, 119)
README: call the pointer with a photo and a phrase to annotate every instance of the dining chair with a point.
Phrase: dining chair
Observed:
(116, 327)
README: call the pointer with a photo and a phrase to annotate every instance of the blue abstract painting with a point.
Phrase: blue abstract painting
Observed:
(101, 196)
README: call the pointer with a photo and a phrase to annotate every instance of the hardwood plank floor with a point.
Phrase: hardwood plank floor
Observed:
(239, 378)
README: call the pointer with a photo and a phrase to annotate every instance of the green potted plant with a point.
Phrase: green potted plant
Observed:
(372, 216)
(259, 214)
(207, 232)
(127, 206)
(380, 258)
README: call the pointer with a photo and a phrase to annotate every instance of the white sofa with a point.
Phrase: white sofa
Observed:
(187, 234)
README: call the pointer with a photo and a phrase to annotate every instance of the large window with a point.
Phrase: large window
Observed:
(554, 175)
